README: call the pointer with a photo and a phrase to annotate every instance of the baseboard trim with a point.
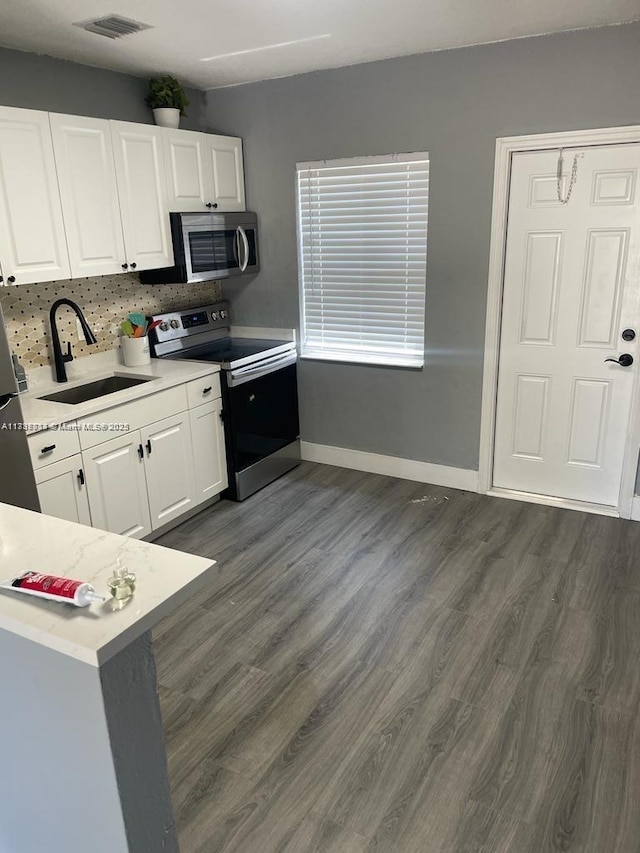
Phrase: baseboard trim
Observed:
(392, 466)
(635, 508)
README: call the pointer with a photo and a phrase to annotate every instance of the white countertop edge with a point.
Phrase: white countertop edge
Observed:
(99, 656)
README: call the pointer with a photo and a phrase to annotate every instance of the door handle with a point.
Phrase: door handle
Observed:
(245, 251)
(625, 360)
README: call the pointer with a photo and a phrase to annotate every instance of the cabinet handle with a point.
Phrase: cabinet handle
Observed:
(48, 448)
(1, 279)
(125, 266)
(140, 451)
(149, 447)
(11, 279)
(81, 477)
(207, 389)
(133, 266)
(212, 204)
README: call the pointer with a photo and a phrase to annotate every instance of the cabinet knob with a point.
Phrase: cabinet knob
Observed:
(11, 279)
(125, 266)
(213, 204)
(133, 266)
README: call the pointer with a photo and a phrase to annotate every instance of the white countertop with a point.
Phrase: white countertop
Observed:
(163, 374)
(31, 541)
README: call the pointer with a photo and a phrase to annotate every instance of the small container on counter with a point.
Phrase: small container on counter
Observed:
(122, 583)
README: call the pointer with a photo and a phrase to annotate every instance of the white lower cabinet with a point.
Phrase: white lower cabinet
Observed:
(207, 440)
(169, 468)
(117, 486)
(143, 479)
(62, 490)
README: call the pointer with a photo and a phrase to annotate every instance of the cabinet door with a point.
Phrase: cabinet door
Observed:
(226, 171)
(117, 486)
(140, 174)
(169, 468)
(32, 240)
(185, 160)
(62, 490)
(207, 442)
(89, 193)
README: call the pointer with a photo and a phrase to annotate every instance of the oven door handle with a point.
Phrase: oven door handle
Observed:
(244, 263)
(255, 371)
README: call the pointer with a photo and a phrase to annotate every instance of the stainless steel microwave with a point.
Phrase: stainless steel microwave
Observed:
(208, 246)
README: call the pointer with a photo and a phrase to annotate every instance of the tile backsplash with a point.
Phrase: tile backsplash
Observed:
(105, 302)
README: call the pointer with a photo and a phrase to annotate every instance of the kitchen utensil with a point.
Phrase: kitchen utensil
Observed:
(137, 318)
(140, 331)
(127, 328)
(153, 325)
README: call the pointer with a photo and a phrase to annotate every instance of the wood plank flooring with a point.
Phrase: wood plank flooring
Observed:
(388, 666)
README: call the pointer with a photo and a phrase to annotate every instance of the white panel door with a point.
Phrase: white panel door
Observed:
(207, 438)
(117, 487)
(32, 240)
(142, 189)
(62, 490)
(571, 288)
(189, 187)
(226, 170)
(169, 468)
(89, 193)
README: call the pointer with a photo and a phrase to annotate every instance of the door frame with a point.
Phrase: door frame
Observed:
(505, 148)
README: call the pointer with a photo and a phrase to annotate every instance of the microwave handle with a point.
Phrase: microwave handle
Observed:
(244, 263)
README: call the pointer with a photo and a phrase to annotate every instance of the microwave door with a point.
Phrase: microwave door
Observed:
(210, 252)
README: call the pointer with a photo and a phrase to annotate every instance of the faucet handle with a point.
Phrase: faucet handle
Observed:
(68, 355)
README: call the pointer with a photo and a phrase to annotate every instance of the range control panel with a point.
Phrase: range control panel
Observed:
(192, 321)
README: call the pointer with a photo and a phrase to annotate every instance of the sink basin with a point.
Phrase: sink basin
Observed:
(92, 390)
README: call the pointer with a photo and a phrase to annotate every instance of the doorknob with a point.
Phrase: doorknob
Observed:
(628, 335)
(625, 360)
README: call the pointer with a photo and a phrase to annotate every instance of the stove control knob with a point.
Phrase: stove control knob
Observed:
(214, 315)
(164, 326)
(223, 314)
(175, 324)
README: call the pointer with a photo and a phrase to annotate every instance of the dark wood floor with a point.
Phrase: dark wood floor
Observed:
(387, 666)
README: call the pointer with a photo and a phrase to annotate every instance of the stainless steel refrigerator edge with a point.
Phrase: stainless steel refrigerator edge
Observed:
(17, 483)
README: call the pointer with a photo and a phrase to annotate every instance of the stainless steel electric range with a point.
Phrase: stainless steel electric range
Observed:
(259, 391)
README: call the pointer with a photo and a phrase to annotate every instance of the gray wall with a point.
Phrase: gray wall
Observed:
(42, 83)
(453, 104)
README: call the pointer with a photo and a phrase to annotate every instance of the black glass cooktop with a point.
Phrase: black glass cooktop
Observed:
(229, 350)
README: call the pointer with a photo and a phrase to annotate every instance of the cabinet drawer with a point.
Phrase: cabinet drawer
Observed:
(200, 391)
(95, 429)
(52, 445)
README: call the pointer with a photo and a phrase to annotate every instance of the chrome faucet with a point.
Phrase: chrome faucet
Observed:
(59, 357)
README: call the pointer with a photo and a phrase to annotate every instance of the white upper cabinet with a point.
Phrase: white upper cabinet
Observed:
(185, 161)
(204, 171)
(224, 155)
(32, 240)
(89, 193)
(139, 163)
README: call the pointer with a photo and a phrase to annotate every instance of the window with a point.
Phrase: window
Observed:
(362, 244)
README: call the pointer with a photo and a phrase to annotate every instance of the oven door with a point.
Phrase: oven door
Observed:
(261, 412)
(219, 249)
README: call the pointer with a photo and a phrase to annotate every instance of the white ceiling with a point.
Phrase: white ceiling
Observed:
(212, 43)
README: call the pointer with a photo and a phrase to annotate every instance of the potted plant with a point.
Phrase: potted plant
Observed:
(167, 99)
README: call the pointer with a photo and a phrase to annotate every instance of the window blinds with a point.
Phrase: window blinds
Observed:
(362, 242)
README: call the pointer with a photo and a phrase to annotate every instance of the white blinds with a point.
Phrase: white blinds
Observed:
(362, 243)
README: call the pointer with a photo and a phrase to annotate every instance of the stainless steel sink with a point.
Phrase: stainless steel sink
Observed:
(92, 390)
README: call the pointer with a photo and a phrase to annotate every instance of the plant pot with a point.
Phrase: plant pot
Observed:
(167, 117)
(135, 351)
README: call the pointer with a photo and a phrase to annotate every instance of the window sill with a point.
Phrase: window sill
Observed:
(363, 361)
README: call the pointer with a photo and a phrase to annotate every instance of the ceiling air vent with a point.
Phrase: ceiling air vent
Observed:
(113, 26)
